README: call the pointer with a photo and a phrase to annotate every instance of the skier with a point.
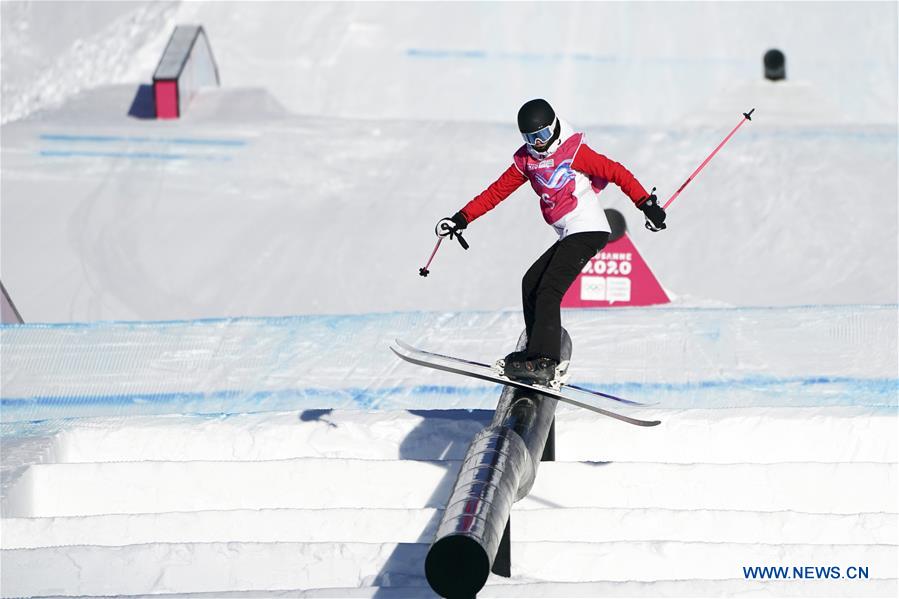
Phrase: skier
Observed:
(568, 176)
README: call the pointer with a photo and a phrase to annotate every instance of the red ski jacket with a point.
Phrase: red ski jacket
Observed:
(596, 166)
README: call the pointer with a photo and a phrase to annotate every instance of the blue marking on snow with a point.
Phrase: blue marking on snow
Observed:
(190, 141)
(355, 397)
(444, 54)
(136, 139)
(554, 57)
(354, 320)
(130, 155)
(760, 391)
(81, 372)
(755, 392)
(330, 320)
(526, 57)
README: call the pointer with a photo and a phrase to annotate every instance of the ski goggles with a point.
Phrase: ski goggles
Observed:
(540, 136)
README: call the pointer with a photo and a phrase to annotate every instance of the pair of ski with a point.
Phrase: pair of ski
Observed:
(486, 372)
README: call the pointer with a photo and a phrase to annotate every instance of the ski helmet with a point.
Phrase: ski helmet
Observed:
(538, 124)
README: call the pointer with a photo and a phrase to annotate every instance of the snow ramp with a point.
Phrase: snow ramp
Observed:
(297, 456)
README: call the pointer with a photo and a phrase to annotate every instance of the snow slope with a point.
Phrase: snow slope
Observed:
(682, 358)
(297, 455)
(108, 218)
(152, 445)
(607, 63)
(246, 207)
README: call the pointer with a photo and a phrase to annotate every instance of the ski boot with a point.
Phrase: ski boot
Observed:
(515, 356)
(540, 371)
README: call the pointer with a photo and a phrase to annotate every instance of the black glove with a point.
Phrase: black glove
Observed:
(452, 227)
(655, 214)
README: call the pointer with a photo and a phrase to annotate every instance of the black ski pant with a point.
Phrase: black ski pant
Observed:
(544, 284)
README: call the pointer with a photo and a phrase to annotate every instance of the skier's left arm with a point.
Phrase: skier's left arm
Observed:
(596, 165)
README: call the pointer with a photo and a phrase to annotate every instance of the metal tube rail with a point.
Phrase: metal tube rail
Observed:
(499, 468)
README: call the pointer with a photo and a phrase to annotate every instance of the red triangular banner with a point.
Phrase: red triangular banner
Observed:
(616, 276)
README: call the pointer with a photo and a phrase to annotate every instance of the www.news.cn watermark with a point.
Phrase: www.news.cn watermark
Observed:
(804, 572)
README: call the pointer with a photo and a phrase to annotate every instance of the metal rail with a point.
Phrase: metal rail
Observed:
(499, 469)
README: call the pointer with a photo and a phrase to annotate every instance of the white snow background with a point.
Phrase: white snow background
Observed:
(202, 403)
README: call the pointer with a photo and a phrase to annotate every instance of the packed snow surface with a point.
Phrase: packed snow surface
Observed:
(203, 404)
(316, 190)
(614, 63)
(297, 453)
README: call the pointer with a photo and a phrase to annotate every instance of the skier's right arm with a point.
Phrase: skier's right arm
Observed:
(485, 201)
(498, 191)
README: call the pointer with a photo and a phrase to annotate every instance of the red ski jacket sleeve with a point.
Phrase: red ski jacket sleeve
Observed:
(498, 191)
(596, 165)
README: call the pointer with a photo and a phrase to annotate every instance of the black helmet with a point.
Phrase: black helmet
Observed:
(534, 115)
(538, 123)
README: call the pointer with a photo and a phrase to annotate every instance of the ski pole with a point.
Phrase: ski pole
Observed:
(423, 271)
(747, 116)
